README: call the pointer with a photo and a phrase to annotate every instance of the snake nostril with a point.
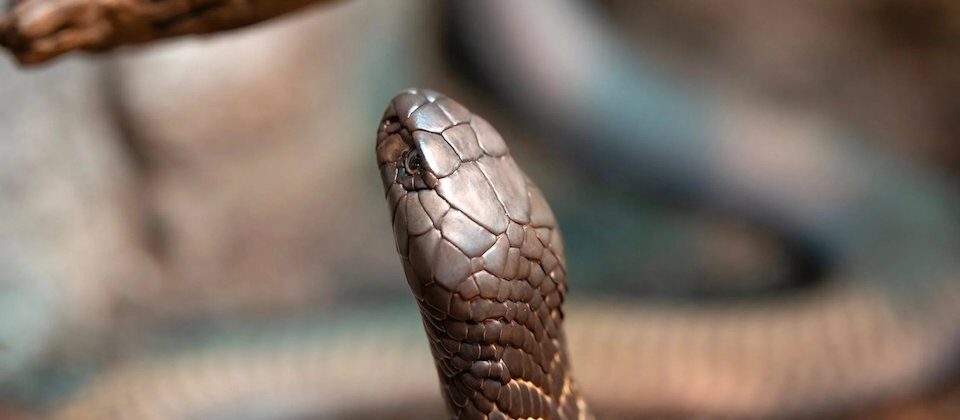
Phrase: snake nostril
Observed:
(390, 124)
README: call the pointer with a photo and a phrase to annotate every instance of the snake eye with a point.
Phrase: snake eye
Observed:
(412, 162)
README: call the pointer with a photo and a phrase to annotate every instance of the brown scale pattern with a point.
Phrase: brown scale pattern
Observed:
(484, 259)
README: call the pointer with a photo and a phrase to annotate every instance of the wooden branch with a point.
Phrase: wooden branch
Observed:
(36, 31)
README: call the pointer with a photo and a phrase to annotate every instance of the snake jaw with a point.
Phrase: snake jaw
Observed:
(483, 257)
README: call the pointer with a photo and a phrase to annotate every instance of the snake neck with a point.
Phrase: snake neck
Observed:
(498, 339)
(484, 258)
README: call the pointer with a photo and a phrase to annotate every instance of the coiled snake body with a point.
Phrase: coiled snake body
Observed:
(484, 258)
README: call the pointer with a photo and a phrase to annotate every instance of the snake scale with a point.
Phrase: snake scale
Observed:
(861, 339)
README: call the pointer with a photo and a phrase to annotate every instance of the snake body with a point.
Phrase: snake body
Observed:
(484, 258)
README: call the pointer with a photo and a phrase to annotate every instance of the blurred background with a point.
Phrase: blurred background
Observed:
(758, 201)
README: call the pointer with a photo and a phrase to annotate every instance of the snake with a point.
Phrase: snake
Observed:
(483, 255)
(870, 334)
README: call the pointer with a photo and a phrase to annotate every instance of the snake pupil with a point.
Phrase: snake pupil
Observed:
(413, 162)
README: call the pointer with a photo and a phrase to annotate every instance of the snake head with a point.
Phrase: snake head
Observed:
(454, 190)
